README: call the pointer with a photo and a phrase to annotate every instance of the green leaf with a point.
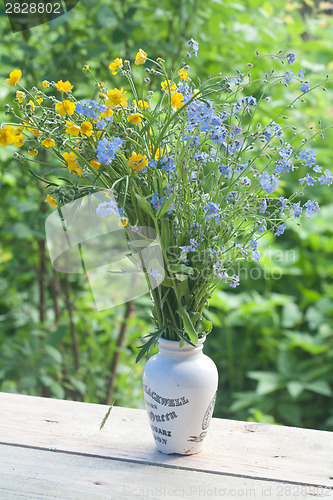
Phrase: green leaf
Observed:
(295, 388)
(152, 341)
(144, 205)
(165, 207)
(181, 268)
(320, 387)
(204, 326)
(188, 326)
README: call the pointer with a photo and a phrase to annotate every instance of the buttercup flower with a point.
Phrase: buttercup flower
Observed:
(140, 57)
(177, 100)
(52, 201)
(182, 73)
(116, 65)
(14, 77)
(20, 96)
(71, 162)
(137, 161)
(168, 84)
(6, 135)
(48, 143)
(95, 164)
(45, 84)
(140, 104)
(33, 152)
(64, 86)
(72, 129)
(86, 129)
(135, 118)
(117, 97)
(65, 108)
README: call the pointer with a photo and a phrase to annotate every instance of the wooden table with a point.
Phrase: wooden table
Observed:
(54, 449)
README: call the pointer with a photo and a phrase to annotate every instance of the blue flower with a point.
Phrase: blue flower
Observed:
(250, 100)
(194, 46)
(269, 183)
(326, 178)
(305, 86)
(308, 179)
(286, 152)
(156, 201)
(106, 149)
(280, 230)
(290, 57)
(311, 208)
(107, 208)
(262, 206)
(90, 108)
(213, 211)
(288, 75)
(256, 255)
(224, 169)
(317, 169)
(156, 275)
(245, 181)
(301, 73)
(253, 245)
(235, 282)
(283, 166)
(297, 210)
(308, 156)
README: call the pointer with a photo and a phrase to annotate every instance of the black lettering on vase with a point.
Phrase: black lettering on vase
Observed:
(164, 401)
(198, 439)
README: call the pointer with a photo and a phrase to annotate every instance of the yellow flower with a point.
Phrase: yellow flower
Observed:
(106, 114)
(45, 84)
(135, 118)
(18, 138)
(168, 83)
(33, 152)
(71, 161)
(85, 68)
(123, 222)
(116, 65)
(86, 129)
(137, 161)
(39, 98)
(20, 96)
(34, 132)
(176, 100)
(95, 164)
(65, 108)
(140, 104)
(52, 201)
(64, 86)
(117, 97)
(140, 57)
(72, 129)
(48, 143)
(32, 106)
(6, 135)
(14, 77)
(183, 74)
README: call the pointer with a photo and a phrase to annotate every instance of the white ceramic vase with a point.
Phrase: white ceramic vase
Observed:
(179, 385)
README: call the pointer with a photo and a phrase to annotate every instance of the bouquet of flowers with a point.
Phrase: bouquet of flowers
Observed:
(189, 159)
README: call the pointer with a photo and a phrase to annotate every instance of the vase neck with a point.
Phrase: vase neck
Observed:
(172, 347)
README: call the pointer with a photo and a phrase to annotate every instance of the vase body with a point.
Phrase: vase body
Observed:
(179, 386)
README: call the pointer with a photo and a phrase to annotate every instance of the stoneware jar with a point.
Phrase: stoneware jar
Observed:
(179, 385)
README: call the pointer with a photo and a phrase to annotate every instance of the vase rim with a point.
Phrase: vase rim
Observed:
(173, 345)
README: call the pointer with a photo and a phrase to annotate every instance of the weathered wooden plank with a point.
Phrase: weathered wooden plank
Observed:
(29, 473)
(233, 447)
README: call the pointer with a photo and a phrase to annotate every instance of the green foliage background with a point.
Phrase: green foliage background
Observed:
(273, 336)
